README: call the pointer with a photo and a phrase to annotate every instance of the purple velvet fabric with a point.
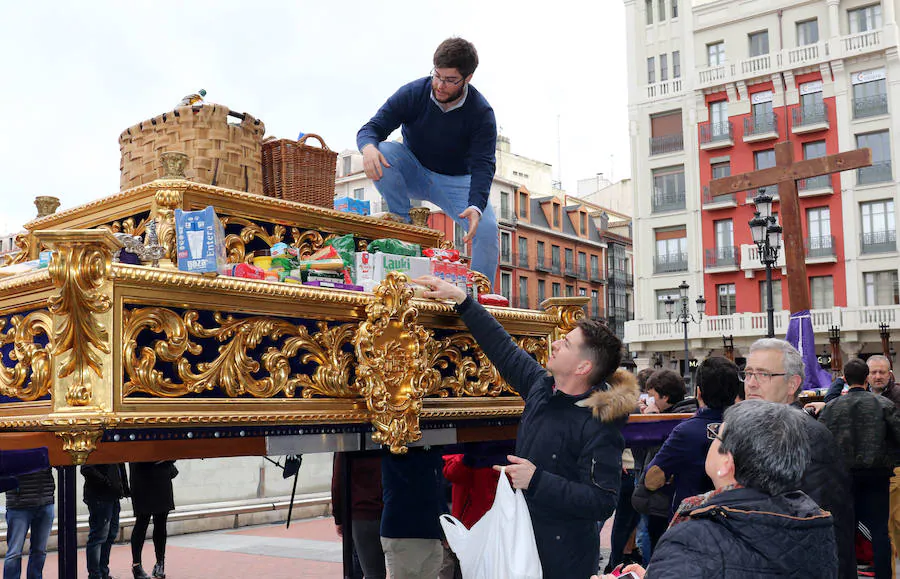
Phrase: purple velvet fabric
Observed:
(800, 335)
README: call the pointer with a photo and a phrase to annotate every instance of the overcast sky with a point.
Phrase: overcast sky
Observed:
(76, 74)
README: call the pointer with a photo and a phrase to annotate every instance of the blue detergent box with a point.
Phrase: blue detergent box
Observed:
(351, 205)
(200, 241)
(342, 204)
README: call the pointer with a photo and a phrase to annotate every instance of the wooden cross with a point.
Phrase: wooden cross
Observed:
(785, 174)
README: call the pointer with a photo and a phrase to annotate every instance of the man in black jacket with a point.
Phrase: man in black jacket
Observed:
(104, 486)
(774, 372)
(568, 462)
(29, 506)
(866, 427)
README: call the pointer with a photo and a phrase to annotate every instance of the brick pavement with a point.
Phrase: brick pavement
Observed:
(309, 549)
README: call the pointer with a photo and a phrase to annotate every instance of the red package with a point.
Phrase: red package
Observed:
(445, 254)
(327, 252)
(247, 271)
(439, 269)
(493, 300)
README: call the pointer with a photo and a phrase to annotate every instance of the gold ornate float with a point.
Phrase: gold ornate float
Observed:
(94, 350)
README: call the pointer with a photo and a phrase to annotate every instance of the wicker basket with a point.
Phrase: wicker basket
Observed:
(219, 153)
(295, 171)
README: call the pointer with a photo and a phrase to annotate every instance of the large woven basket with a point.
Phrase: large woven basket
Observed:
(295, 171)
(222, 153)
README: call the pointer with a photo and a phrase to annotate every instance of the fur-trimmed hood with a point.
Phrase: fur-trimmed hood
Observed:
(620, 399)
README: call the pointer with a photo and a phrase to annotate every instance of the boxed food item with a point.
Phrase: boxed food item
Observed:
(413, 267)
(351, 205)
(200, 241)
(336, 285)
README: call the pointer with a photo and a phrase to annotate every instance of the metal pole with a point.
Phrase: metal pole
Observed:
(67, 552)
(687, 359)
(347, 515)
(770, 310)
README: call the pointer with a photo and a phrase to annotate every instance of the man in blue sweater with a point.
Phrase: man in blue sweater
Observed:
(448, 153)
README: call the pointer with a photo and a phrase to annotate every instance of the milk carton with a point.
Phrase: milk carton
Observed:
(201, 241)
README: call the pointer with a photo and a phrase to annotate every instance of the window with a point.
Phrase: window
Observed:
(807, 32)
(595, 304)
(661, 297)
(668, 189)
(869, 93)
(651, 70)
(542, 291)
(727, 299)
(724, 234)
(715, 54)
(505, 283)
(821, 292)
(676, 64)
(674, 8)
(523, 252)
(523, 205)
(505, 242)
(762, 111)
(759, 43)
(556, 212)
(881, 288)
(776, 295)
(570, 290)
(718, 120)
(582, 264)
(584, 226)
(764, 159)
(348, 163)
(554, 255)
(570, 260)
(663, 68)
(879, 231)
(818, 220)
(814, 150)
(359, 193)
(720, 170)
(458, 234)
(556, 289)
(865, 18)
(648, 8)
(671, 250)
(880, 170)
(661, 5)
(666, 132)
(523, 292)
(812, 108)
(504, 205)
(540, 253)
(595, 267)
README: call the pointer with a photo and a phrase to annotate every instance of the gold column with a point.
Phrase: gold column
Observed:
(169, 197)
(567, 311)
(82, 321)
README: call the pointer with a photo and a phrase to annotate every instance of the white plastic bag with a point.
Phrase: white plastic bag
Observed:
(500, 545)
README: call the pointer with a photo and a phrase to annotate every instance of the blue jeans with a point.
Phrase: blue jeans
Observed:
(407, 179)
(103, 525)
(18, 521)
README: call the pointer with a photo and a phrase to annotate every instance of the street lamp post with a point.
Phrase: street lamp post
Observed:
(834, 337)
(685, 317)
(767, 237)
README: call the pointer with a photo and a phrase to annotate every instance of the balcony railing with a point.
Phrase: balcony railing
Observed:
(805, 116)
(725, 256)
(668, 201)
(555, 266)
(505, 256)
(711, 133)
(670, 262)
(541, 264)
(629, 279)
(876, 173)
(664, 88)
(879, 241)
(756, 64)
(595, 274)
(771, 190)
(507, 214)
(813, 183)
(870, 106)
(708, 199)
(756, 125)
(522, 260)
(666, 144)
(861, 42)
(570, 269)
(820, 246)
(582, 273)
(523, 302)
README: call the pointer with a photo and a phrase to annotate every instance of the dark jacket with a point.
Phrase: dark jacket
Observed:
(745, 534)
(682, 457)
(35, 490)
(412, 487)
(892, 392)
(827, 481)
(104, 482)
(365, 488)
(151, 487)
(866, 427)
(575, 443)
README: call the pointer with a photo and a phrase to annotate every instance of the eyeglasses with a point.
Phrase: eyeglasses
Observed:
(712, 431)
(761, 377)
(441, 80)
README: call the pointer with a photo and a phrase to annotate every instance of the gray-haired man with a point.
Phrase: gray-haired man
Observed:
(774, 372)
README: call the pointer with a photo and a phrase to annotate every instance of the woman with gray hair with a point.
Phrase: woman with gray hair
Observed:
(754, 524)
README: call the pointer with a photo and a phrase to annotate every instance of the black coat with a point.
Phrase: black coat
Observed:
(578, 457)
(866, 427)
(827, 482)
(151, 487)
(745, 534)
(104, 482)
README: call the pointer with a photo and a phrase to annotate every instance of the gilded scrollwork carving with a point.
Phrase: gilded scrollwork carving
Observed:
(165, 202)
(392, 373)
(234, 370)
(24, 241)
(306, 242)
(29, 377)
(127, 225)
(80, 271)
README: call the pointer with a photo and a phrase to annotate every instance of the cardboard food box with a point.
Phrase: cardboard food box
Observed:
(201, 241)
(373, 267)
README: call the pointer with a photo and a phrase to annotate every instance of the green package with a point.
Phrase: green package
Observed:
(284, 262)
(345, 246)
(395, 246)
